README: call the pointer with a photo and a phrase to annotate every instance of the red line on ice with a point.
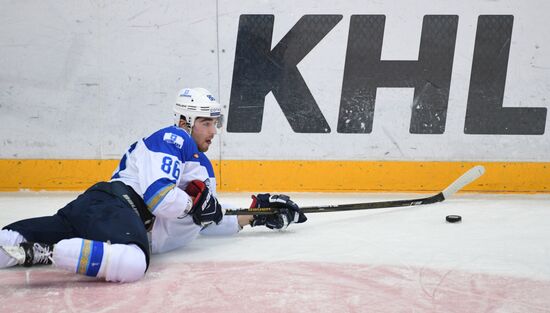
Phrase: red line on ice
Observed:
(273, 287)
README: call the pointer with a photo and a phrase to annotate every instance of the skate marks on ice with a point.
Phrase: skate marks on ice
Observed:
(273, 287)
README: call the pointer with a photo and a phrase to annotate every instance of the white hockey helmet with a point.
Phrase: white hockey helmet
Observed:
(196, 102)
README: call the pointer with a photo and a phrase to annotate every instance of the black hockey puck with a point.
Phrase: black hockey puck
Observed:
(453, 218)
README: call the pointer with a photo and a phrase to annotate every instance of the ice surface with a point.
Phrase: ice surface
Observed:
(387, 260)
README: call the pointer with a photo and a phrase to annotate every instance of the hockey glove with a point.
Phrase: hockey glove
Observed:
(206, 209)
(289, 211)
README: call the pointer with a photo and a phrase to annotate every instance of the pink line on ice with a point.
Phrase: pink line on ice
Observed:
(273, 287)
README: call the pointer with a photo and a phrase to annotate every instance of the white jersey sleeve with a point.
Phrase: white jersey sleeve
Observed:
(229, 225)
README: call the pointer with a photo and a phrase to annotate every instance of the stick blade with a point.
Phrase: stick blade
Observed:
(466, 178)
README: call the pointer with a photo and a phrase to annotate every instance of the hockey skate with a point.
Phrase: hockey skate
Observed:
(30, 253)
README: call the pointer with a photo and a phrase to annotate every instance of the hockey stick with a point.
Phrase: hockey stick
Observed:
(466, 178)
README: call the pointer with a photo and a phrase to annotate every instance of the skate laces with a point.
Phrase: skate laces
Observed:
(42, 254)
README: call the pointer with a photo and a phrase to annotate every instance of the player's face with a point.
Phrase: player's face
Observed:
(203, 132)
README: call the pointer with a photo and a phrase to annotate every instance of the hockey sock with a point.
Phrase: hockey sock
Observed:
(80, 256)
(114, 262)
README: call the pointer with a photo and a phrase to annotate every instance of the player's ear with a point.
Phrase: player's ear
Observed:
(183, 123)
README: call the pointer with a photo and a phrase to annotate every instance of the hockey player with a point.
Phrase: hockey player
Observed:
(161, 196)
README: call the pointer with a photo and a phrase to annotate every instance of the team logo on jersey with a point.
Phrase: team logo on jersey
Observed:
(173, 139)
(196, 156)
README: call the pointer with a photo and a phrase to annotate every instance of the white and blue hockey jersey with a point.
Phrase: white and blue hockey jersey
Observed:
(159, 168)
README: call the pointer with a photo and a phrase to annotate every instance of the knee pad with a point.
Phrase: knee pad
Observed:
(126, 263)
(9, 238)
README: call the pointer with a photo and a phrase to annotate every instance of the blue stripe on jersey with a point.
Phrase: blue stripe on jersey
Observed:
(122, 164)
(160, 141)
(205, 162)
(132, 147)
(156, 192)
(121, 167)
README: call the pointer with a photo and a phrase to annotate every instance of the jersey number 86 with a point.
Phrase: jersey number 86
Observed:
(171, 166)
